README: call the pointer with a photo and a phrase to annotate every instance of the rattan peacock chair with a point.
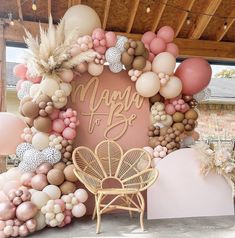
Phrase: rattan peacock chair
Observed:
(131, 171)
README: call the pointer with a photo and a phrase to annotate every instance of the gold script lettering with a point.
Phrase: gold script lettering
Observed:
(117, 102)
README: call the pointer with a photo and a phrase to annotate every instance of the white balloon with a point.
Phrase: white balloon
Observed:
(148, 84)
(59, 105)
(34, 89)
(40, 140)
(164, 63)
(172, 89)
(113, 55)
(116, 67)
(121, 40)
(41, 221)
(82, 18)
(49, 86)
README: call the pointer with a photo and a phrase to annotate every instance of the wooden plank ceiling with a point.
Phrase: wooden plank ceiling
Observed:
(202, 27)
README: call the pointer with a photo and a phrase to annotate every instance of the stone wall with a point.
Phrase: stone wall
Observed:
(216, 121)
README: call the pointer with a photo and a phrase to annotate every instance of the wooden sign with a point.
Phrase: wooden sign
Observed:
(109, 107)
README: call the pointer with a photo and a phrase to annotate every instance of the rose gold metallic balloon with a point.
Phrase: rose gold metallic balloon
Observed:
(23, 231)
(44, 168)
(31, 225)
(26, 211)
(7, 211)
(39, 182)
(25, 178)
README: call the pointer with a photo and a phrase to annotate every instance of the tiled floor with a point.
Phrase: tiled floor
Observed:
(116, 225)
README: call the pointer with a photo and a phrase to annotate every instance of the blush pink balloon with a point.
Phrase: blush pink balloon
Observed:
(195, 75)
(148, 37)
(173, 49)
(157, 45)
(111, 39)
(55, 114)
(25, 178)
(170, 109)
(98, 33)
(39, 182)
(35, 79)
(18, 85)
(166, 33)
(11, 128)
(151, 57)
(100, 49)
(58, 125)
(20, 71)
(69, 133)
(7, 210)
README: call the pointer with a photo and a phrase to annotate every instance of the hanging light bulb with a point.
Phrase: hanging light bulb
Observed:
(148, 9)
(11, 19)
(225, 25)
(188, 21)
(34, 6)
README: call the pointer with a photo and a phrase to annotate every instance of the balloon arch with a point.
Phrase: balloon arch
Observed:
(43, 191)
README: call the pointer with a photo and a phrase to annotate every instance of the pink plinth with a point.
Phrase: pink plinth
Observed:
(181, 191)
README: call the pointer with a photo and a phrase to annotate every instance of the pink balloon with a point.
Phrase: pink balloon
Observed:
(11, 128)
(151, 57)
(58, 125)
(69, 133)
(98, 33)
(55, 114)
(18, 85)
(20, 71)
(34, 79)
(148, 37)
(166, 33)
(111, 39)
(157, 45)
(173, 49)
(100, 49)
(170, 109)
(195, 75)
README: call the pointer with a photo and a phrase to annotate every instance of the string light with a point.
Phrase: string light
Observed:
(148, 9)
(10, 17)
(34, 5)
(225, 25)
(188, 21)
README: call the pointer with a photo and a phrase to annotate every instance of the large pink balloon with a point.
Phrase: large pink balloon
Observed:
(20, 71)
(11, 128)
(195, 75)
(166, 33)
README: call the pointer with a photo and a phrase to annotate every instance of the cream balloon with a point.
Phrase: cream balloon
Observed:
(164, 63)
(59, 105)
(168, 121)
(34, 89)
(95, 69)
(172, 89)
(52, 191)
(49, 86)
(81, 18)
(40, 141)
(66, 87)
(148, 84)
(40, 199)
(41, 221)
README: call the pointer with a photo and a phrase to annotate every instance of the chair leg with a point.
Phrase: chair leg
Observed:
(98, 213)
(142, 205)
(94, 211)
(129, 204)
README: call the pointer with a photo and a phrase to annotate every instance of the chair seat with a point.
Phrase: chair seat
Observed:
(117, 191)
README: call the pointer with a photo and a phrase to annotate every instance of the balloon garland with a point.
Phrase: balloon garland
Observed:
(43, 191)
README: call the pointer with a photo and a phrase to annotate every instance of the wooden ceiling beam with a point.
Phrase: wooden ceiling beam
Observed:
(49, 8)
(106, 13)
(222, 31)
(203, 20)
(158, 16)
(19, 10)
(73, 2)
(188, 6)
(132, 16)
(188, 47)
